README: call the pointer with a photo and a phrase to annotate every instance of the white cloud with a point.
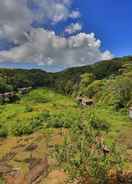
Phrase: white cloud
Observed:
(16, 16)
(15, 19)
(73, 28)
(54, 10)
(106, 55)
(45, 47)
(39, 46)
(75, 14)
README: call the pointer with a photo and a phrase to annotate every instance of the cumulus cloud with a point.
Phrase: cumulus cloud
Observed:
(17, 16)
(54, 10)
(44, 47)
(73, 28)
(106, 55)
(40, 46)
(15, 19)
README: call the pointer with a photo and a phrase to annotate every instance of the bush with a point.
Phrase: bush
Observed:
(62, 119)
(94, 89)
(82, 158)
(20, 128)
(3, 132)
(36, 124)
(86, 80)
(28, 108)
(117, 92)
(38, 96)
(98, 123)
(44, 116)
(55, 121)
(4, 87)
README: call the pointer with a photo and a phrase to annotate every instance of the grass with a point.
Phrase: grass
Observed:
(46, 108)
(43, 110)
(34, 110)
(2, 181)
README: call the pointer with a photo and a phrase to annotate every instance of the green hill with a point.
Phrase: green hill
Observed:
(49, 121)
(16, 78)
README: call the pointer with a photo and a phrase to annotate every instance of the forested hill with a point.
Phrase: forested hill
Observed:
(64, 81)
(68, 80)
(11, 79)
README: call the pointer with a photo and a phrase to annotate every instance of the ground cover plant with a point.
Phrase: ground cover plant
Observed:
(50, 116)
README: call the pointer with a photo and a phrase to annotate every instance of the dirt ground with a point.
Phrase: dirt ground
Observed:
(26, 160)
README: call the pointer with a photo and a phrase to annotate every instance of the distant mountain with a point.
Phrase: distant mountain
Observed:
(16, 78)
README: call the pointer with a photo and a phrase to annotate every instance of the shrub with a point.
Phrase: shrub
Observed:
(98, 123)
(86, 80)
(55, 121)
(38, 96)
(117, 92)
(3, 132)
(62, 119)
(94, 89)
(36, 124)
(44, 116)
(4, 86)
(82, 158)
(19, 128)
(28, 108)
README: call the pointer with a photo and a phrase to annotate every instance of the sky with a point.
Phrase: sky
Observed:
(57, 34)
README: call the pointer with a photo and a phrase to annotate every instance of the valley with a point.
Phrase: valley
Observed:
(37, 128)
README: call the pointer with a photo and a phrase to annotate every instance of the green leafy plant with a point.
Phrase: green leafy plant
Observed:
(98, 123)
(82, 157)
(3, 132)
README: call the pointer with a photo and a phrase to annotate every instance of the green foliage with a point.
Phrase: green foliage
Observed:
(66, 81)
(92, 90)
(44, 116)
(3, 132)
(28, 108)
(86, 80)
(19, 128)
(98, 123)
(38, 96)
(17, 78)
(4, 86)
(117, 92)
(81, 156)
(64, 119)
(30, 114)
(2, 181)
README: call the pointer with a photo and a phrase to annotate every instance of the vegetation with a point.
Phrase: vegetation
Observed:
(83, 158)
(66, 81)
(52, 106)
(2, 181)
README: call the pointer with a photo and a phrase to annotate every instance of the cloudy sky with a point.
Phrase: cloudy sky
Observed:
(56, 34)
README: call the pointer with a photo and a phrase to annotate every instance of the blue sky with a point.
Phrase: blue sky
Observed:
(111, 21)
(55, 34)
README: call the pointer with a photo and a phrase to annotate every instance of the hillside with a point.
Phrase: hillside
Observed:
(46, 135)
(75, 81)
(16, 78)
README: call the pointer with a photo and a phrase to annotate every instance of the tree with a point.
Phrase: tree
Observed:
(86, 80)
